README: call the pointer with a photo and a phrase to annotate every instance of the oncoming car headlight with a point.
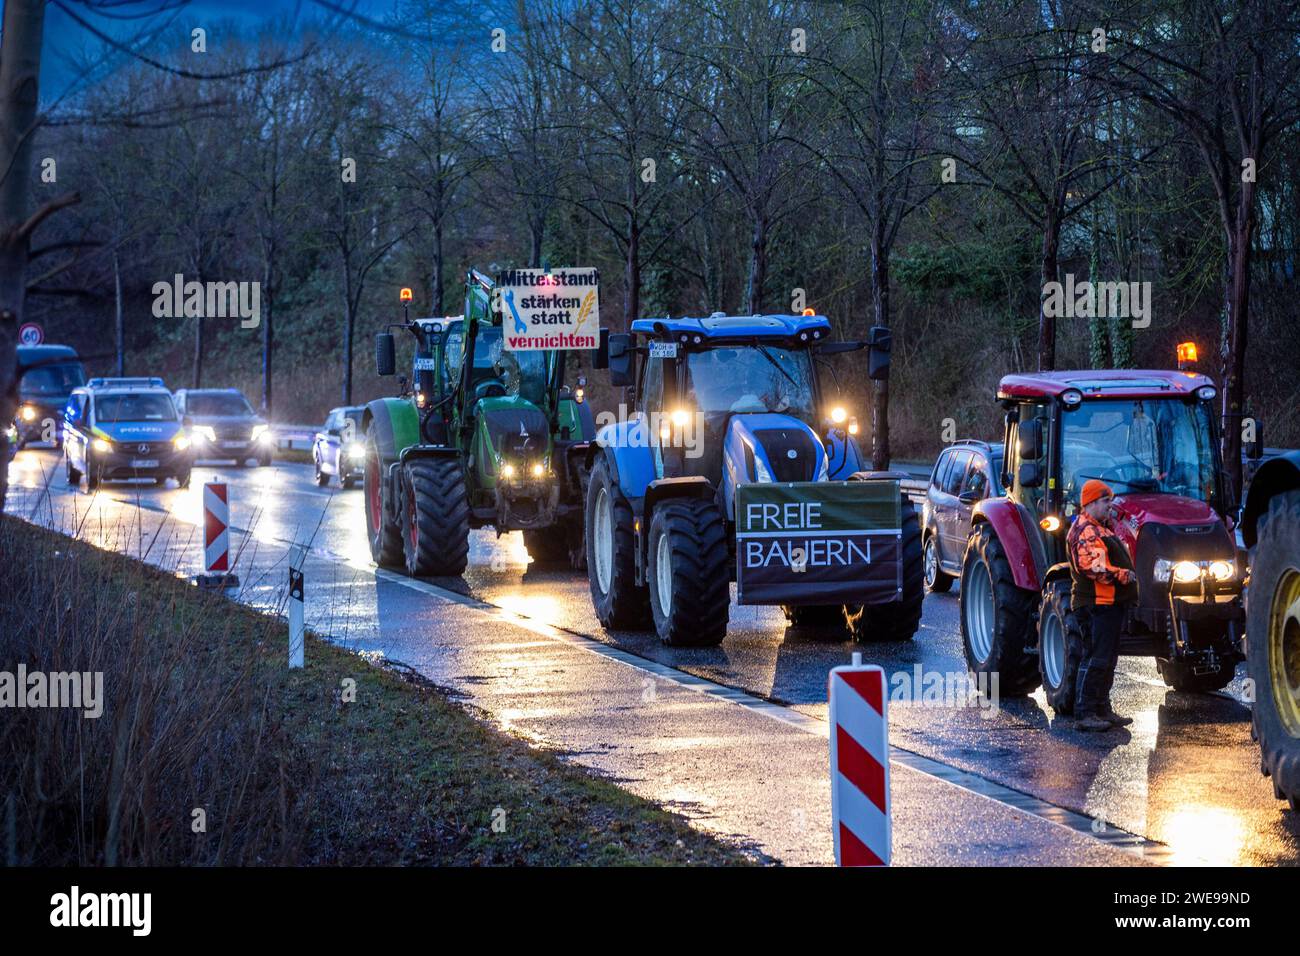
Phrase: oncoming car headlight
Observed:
(99, 444)
(356, 450)
(181, 441)
(28, 413)
(206, 432)
(260, 433)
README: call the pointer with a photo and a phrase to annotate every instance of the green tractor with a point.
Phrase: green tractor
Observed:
(481, 436)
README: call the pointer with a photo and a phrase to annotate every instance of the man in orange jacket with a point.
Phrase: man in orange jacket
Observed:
(1104, 585)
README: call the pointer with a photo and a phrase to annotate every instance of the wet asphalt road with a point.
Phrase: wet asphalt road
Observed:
(1185, 775)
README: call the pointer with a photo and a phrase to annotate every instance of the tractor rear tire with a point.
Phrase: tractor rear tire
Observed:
(1180, 676)
(383, 533)
(898, 620)
(688, 573)
(997, 617)
(620, 603)
(436, 512)
(1060, 645)
(1273, 645)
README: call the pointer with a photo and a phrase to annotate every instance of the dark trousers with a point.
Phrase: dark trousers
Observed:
(1099, 626)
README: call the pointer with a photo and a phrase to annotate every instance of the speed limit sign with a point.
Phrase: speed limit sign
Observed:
(29, 333)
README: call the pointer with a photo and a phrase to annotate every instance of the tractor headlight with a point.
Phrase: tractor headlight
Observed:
(507, 471)
(1186, 572)
(356, 450)
(853, 426)
(205, 432)
(181, 441)
(839, 415)
(1223, 570)
(538, 470)
(28, 413)
(681, 417)
(760, 470)
(100, 444)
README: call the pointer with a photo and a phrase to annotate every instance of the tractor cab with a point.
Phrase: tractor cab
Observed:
(747, 385)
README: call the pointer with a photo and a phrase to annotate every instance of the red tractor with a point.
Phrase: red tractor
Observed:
(1153, 437)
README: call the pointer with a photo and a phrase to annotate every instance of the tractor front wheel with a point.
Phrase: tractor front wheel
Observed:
(997, 617)
(1059, 647)
(611, 556)
(687, 573)
(1273, 645)
(383, 533)
(436, 510)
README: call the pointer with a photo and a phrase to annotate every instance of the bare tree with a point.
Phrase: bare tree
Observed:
(881, 72)
(1228, 72)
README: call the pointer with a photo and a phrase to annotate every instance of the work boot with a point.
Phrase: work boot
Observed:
(1092, 724)
(1115, 719)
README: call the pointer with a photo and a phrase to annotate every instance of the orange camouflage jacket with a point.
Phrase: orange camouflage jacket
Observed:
(1101, 570)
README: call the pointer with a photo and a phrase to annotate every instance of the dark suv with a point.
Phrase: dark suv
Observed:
(965, 473)
(48, 373)
(224, 426)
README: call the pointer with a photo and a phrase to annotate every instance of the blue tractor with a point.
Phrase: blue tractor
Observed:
(734, 465)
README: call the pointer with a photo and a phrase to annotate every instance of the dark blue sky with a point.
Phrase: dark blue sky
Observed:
(69, 44)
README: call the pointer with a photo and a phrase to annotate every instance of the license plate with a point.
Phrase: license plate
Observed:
(232, 444)
(144, 462)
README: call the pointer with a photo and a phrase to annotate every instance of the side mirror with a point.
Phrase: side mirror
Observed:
(1031, 441)
(969, 497)
(620, 359)
(600, 354)
(880, 342)
(385, 354)
(1031, 474)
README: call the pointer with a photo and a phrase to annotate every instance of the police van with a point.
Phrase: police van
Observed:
(117, 428)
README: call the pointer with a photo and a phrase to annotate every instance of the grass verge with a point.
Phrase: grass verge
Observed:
(209, 751)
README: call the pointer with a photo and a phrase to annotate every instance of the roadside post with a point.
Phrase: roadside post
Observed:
(216, 539)
(297, 561)
(859, 740)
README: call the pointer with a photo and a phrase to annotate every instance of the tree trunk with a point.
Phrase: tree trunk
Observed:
(1233, 356)
(349, 321)
(268, 334)
(536, 228)
(880, 452)
(437, 278)
(20, 68)
(118, 327)
(632, 300)
(757, 265)
(1047, 324)
(197, 375)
